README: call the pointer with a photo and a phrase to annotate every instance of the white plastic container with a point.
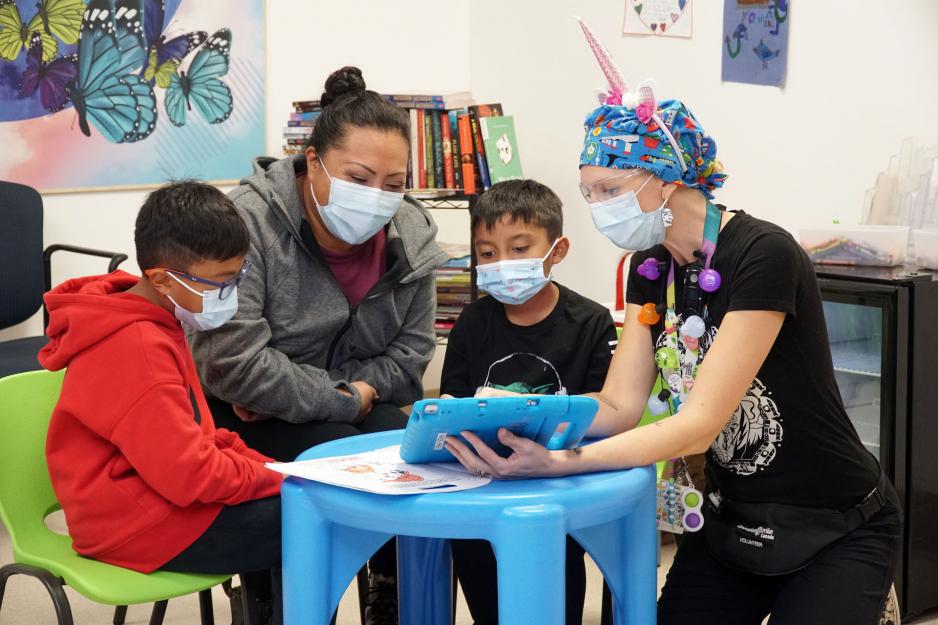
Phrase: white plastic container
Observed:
(926, 247)
(880, 246)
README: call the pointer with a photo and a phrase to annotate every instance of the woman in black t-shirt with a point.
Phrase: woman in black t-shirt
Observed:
(800, 523)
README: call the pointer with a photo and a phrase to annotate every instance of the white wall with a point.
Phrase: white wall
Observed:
(306, 41)
(859, 80)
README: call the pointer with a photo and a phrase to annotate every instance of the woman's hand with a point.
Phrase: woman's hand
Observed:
(528, 460)
(367, 397)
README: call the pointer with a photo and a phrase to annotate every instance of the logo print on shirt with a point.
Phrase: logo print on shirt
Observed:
(748, 441)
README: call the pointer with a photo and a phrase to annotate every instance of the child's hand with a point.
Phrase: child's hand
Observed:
(528, 460)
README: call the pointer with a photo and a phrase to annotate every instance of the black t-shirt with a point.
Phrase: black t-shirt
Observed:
(571, 348)
(790, 441)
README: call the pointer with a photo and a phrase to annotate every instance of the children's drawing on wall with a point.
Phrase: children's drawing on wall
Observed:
(755, 41)
(105, 93)
(663, 18)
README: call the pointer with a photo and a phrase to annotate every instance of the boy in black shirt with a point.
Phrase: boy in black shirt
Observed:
(531, 336)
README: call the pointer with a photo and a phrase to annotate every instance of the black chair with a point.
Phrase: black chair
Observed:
(26, 272)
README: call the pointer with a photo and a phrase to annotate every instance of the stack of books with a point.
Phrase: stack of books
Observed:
(453, 287)
(300, 126)
(458, 145)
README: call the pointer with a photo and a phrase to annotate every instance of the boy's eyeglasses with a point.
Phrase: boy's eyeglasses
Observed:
(224, 288)
(608, 187)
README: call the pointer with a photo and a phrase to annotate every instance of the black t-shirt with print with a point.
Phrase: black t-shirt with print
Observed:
(573, 343)
(790, 441)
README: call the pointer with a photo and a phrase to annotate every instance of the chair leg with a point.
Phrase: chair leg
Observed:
(53, 584)
(362, 591)
(606, 614)
(159, 611)
(249, 601)
(4, 576)
(120, 614)
(206, 610)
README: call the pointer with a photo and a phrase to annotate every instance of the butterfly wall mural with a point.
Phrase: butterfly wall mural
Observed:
(126, 93)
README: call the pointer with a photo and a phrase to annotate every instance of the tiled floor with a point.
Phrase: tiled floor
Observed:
(26, 602)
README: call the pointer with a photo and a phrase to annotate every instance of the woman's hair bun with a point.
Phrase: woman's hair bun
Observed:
(340, 82)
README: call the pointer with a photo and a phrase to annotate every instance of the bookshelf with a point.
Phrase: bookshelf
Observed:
(448, 290)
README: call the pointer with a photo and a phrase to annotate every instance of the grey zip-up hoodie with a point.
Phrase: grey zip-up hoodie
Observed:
(296, 341)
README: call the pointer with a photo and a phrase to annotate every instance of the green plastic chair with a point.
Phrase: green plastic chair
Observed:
(27, 498)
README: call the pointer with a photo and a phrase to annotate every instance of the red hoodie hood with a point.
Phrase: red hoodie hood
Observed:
(84, 311)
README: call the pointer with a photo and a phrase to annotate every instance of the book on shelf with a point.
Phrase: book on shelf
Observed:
(428, 150)
(438, 175)
(454, 148)
(501, 148)
(475, 114)
(305, 106)
(453, 286)
(421, 168)
(447, 152)
(440, 102)
(300, 126)
(466, 154)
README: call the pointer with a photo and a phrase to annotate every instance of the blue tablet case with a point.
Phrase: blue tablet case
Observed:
(533, 417)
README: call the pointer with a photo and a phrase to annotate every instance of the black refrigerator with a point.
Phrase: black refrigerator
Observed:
(883, 328)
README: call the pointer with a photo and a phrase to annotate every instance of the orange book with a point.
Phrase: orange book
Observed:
(421, 165)
(465, 158)
(448, 174)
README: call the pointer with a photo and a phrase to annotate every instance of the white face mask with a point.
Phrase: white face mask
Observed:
(624, 223)
(514, 281)
(215, 312)
(355, 212)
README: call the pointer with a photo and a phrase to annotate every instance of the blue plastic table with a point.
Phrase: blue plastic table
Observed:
(330, 532)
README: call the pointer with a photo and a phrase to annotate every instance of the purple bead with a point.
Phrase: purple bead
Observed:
(710, 280)
(649, 269)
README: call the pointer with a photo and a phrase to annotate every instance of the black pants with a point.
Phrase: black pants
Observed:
(243, 539)
(476, 568)
(846, 585)
(285, 441)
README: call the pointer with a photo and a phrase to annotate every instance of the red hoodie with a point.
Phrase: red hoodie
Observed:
(138, 477)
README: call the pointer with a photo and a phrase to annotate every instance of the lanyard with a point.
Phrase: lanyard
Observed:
(678, 502)
(708, 247)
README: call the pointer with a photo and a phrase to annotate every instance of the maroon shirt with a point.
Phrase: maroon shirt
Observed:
(360, 269)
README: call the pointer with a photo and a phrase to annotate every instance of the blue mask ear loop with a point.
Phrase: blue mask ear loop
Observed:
(312, 191)
(199, 293)
(546, 256)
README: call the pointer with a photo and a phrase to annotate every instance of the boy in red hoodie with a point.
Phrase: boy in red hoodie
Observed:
(144, 478)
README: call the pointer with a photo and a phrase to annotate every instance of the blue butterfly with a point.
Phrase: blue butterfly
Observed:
(119, 104)
(201, 86)
(164, 57)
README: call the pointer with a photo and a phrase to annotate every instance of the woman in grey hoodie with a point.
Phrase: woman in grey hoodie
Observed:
(335, 322)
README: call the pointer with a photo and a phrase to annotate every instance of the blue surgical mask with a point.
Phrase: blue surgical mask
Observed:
(624, 222)
(215, 313)
(514, 281)
(355, 212)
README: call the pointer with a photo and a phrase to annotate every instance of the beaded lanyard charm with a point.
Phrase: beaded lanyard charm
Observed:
(679, 503)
